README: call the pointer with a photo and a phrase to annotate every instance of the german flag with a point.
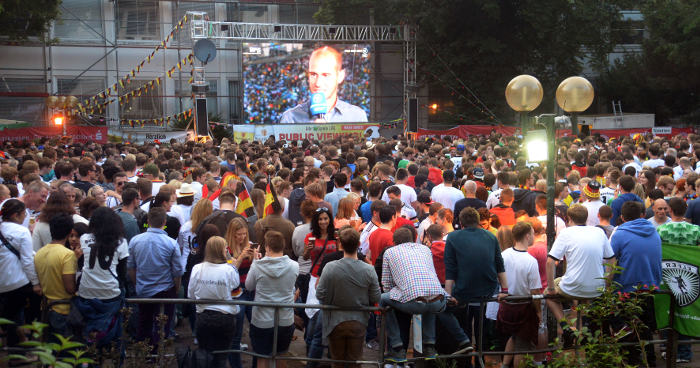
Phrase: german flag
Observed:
(271, 202)
(245, 206)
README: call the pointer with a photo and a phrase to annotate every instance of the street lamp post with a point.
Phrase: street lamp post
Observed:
(574, 95)
(523, 94)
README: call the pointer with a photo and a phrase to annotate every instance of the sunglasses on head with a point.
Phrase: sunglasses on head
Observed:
(322, 209)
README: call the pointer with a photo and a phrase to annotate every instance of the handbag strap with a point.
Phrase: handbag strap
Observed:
(9, 247)
(320, 254)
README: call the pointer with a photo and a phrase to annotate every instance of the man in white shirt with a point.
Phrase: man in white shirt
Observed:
(408, 194)
(495, 196)
(447, 195)
(586, 249)
(655, 159)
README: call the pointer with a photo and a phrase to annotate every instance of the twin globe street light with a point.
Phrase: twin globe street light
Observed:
(524, 94)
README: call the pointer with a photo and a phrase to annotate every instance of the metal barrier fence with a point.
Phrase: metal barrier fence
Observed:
(671, 341)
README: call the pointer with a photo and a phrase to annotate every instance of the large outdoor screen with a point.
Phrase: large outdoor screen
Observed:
(282, 86)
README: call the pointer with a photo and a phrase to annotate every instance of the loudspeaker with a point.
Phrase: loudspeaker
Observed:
(412, 114)
(201, 121)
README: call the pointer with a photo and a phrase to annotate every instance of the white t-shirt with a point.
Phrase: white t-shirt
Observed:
(559, 224)
(183, 240)
(447, 196)
(653, 163)
(16, 272)
(213, 281)
(584, 248)
(606, 194)
(424, 225)
(494, 199)
(408, 194)
(593, 208)
(96, 282)
(522, 272)
(635, 165)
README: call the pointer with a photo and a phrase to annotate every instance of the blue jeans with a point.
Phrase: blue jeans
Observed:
(234, 359)
(427, 310)
(685, 351)
(450, 322)
(313, 336)
(57, 325)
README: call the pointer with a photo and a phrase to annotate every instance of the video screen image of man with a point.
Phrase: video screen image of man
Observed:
(325, 74)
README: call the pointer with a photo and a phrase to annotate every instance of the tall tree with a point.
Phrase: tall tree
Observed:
(665, 78)
(469, 50)
(22, 19)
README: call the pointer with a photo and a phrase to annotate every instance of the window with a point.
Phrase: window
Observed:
(234, 102)
(138, 20)
(82, 88)
(79, 20)
(22, 108)
(148, 106)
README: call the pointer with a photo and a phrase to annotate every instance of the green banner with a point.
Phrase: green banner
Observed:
(679, 274)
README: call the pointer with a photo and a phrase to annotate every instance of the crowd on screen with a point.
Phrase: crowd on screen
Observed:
(430, 228)
(273, 87)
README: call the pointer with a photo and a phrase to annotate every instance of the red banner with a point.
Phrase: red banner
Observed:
(464, 131)
(78, 133)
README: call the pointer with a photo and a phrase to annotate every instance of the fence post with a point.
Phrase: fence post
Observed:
(480, 333)
(275, 325)
(382, 337)
(672, 339)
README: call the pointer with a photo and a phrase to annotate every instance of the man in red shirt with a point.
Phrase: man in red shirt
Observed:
(384, 236)
(504, 211)
(436, 233)
(397, 205)
(435, 174)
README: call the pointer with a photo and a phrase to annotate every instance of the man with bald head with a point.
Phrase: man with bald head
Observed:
(661, 210)
(469, 200)
(325, 75)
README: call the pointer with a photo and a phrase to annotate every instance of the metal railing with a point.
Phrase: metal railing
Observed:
(671, 340)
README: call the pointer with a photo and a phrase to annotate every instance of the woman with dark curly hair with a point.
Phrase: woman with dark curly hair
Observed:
(57, 203)
(100, 295)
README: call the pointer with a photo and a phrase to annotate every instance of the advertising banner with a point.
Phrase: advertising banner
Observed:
(78, 133)
(158, 136)
(289, 132)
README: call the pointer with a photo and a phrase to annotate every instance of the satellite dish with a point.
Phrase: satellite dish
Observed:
(204, 50)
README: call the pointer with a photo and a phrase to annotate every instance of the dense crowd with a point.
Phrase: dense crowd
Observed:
(272, 87)
(428, 228)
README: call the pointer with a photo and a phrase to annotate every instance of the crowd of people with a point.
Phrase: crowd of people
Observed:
(429, 228)
(274, 86)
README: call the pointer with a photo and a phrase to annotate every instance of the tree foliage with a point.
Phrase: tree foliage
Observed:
(479, 45)
(22, 19)
(665, 77)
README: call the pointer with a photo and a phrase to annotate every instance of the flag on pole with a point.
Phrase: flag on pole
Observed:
(245, 206)
(271, 203)
(679, 274)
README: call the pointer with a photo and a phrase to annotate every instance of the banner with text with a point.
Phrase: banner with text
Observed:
(158, 136)
(78, 133)
(290, 132)
(679, 274)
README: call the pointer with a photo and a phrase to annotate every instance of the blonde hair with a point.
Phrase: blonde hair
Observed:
(505, 237)
(258, 198)
(236, 224)
(91, 192)
(214, 251)
(200, 211)
(346, 208)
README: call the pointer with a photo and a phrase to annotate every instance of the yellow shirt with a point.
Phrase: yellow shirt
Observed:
(53, 261)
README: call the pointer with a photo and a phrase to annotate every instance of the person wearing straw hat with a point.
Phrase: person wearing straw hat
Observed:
(185, 199)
